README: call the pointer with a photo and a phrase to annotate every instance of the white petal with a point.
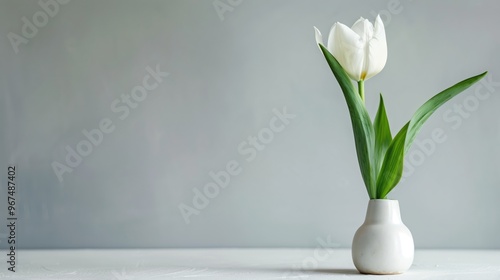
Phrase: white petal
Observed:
(319, 37)
(377, 50)
(364, 28)
(347, 47)
(379, 29)
(360, 20)
(331, 37)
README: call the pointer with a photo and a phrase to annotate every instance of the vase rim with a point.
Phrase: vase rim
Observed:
(384, 201)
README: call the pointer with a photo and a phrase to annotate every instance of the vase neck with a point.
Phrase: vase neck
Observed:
(383, 211)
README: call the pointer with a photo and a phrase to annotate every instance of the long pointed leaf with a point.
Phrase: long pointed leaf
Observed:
(392, 166)
(429, 107)
(383, 135)
(361, 124)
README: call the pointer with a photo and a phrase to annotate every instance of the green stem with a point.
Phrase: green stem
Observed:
(361, 90)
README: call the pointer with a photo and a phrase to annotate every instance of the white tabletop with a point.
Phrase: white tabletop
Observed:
(239, 264)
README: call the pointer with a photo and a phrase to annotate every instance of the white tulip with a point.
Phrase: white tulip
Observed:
(360, 50)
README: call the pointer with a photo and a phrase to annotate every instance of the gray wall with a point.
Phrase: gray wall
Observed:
(228, 74)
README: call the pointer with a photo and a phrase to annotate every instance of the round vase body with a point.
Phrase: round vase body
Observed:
(383, 244)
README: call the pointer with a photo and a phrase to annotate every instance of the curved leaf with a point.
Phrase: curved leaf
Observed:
(429, 107)
(392, 166)
(361, 124)
(383, 135)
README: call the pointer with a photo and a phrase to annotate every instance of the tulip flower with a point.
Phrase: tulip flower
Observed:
(360, 50)
(359, 53)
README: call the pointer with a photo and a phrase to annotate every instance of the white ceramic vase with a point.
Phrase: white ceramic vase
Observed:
(383, 244)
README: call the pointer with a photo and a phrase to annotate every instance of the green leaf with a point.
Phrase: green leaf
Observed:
(383, 135)
(392, 166)
(361, 123)
(429, 107)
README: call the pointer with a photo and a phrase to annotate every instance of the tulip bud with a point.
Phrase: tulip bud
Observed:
(360, 50)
